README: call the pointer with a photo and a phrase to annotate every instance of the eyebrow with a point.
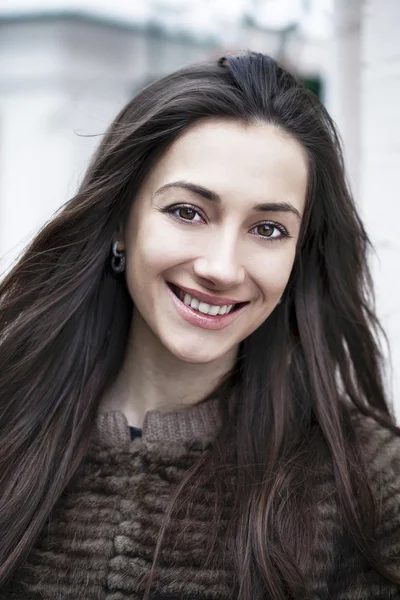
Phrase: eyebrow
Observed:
(214, 198)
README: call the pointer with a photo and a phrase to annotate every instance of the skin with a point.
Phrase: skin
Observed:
(222, 249)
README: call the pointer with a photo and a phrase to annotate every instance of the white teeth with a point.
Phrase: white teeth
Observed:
(195, 303)
(203, 307)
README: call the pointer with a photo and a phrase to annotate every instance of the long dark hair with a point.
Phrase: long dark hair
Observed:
(64, 318)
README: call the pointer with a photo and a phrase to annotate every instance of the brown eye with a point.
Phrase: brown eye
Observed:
(187, 213)
(266, 230)
(184, 213)
(271, 231)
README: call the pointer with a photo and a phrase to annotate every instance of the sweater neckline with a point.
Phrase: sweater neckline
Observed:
(135, 432)
(176, 428)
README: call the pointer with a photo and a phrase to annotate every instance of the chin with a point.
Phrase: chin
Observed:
(194, 355)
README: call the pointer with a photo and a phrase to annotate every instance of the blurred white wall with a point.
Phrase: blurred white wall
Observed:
(364, 99)
(380, 161)
(344, 83)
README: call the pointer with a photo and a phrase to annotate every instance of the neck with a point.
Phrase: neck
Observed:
(151, 378)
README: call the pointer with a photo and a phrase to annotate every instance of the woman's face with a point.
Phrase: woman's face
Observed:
(219, 215)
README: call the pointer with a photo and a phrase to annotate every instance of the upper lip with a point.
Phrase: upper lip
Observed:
(217, 300)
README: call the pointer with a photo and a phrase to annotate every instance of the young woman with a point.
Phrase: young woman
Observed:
(190, 388)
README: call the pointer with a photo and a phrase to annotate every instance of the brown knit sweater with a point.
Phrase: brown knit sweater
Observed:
(101, 537)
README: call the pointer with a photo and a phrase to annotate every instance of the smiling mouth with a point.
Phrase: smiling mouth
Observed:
(180, 293)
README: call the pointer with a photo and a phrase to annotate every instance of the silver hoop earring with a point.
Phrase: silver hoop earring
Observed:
(117, 259)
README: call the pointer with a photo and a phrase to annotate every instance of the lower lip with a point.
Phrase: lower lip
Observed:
(201, 320)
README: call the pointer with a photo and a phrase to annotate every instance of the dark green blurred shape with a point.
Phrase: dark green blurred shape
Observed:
(314, 84)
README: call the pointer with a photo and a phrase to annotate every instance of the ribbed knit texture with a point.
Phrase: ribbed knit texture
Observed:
(101, 537)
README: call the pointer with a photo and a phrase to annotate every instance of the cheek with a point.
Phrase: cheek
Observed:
(149, 255)
(273, 273)
(155, 245)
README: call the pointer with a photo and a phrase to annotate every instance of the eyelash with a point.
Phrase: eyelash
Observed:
(170, 210)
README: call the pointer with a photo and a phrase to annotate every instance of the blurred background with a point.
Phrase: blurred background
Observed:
(68, 66)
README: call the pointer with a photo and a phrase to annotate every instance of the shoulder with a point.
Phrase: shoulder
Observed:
(380, 451)
(379, 445)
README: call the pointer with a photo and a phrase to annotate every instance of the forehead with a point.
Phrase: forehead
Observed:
(236, 160)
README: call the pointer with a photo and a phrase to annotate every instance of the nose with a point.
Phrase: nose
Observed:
(219, 265)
